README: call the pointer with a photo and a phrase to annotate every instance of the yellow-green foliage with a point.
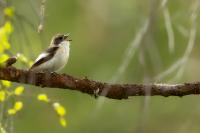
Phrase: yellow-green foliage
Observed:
(9, 11)
(5, 32)
(59, 109)
(7, 89)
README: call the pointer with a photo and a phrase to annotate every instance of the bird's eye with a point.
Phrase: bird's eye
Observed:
(60, 38)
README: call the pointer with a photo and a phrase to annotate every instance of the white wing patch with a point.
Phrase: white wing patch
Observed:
(41, 56)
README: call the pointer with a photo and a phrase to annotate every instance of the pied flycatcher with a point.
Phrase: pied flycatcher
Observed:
(55, 57)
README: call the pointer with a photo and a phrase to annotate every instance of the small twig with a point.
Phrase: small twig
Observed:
(11, 61)
(168, 26)
(42, 13)
(191, 42)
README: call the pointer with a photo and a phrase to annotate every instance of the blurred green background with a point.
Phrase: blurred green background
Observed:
(101, 31)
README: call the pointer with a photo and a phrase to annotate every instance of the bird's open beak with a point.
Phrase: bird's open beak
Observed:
(66, 37)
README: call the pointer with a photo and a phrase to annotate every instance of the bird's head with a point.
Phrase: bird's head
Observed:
(60, 39)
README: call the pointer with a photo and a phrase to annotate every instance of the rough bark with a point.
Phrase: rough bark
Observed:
(96, 88)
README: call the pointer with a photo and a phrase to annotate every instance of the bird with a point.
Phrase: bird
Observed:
(55, 57)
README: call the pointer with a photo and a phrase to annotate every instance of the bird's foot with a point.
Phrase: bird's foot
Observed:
(53, 73)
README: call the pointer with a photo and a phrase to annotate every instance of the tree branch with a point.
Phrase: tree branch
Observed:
(115, 91)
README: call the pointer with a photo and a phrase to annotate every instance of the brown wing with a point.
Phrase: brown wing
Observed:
(50, 53)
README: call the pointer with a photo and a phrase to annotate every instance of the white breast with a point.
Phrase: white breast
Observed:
(61, 57)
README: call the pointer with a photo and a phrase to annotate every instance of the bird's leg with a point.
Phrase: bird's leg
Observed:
(96, 93)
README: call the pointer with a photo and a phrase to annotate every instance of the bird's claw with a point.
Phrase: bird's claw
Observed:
(53, 73)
